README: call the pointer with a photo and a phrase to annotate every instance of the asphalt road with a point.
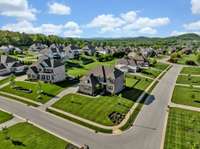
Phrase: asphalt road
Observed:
(145, 134)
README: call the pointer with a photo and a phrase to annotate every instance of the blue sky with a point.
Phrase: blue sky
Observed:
(101, 18)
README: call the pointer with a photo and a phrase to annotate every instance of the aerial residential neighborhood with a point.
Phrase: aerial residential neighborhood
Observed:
(100, 74)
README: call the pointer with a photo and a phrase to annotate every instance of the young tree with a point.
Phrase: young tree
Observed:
(12, 81)
(39, 90)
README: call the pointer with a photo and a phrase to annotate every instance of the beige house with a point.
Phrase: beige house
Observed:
(47, 70)
(102, 79)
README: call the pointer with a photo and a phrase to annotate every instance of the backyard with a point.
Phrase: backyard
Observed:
(186, 96)
(4, 117)
(183, 129)
(27, 136)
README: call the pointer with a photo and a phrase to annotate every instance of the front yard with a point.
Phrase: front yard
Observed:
(186, 95)
(187, 79)
(4, 117)
(27, 136)
(191, 70)
(100, 108)
(183, 130)
(49, 91)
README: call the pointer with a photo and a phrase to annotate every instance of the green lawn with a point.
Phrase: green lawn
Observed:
(187, 96)
(50, 91)
(98, 109)
(81, 70)
(160, 66)
(183, 79)
(3, 81)
(4, 117)
(150, 72)
(191, 70)
(186, 58)
(183, 130)
(94, 109)
(27, 136)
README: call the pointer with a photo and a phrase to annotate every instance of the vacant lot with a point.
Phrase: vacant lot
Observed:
(187, 96)
(184, 79)
(191, 70)
(4, 117)
(27, 136)
(183, 130)
(50, 91)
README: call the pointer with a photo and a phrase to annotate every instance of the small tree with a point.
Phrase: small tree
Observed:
(12, 81)
(5, 133)
(39, 89)
(189, 77)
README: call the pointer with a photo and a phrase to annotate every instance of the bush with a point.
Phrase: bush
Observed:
(190, 62)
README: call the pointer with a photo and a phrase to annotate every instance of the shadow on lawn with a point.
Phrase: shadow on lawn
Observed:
(133, 94)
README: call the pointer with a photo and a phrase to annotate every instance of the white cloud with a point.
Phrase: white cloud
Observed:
(128, 22)
(195, 6)
(70, 29)
(193, 26)
(19, 9)
(59, 9)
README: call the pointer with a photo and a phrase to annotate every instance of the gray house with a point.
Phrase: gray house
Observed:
(102, 79)
(47, 70)
(127, 65)
(10, 65)
(89, 50)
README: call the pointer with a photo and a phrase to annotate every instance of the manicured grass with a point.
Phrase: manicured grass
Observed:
(27, 136)
(4, 117)
(81, 70)
(3, 81)
(160, 66)
(135, 85)
(94, 109)
(150, 72)
(50, 91)
(182, 129)
(183, 60)
(187, 96)
(183, 79)
(191, 70)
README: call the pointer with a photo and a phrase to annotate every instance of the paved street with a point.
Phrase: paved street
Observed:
(146, 133)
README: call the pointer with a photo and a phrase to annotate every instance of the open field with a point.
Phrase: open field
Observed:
(183, 129)
(191, 70)
(27, 136)
(49, 91)
(183, 79)
(4, 117)
(187, 96)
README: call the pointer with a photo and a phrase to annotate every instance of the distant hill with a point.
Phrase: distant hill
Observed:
(23, 39)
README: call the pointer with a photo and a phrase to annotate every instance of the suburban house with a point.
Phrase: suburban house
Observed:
(127, 65)
(102, 51)
(101, 80)
(10, 65)
(89, 50)
(140, 60)
(54, 51)
(48, 70)
(37, 47)
(10, 49)
(72, 51)
(187, 51)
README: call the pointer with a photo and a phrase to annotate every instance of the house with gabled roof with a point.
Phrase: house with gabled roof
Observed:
(72, 51)
(102, 80)
(48, 70)
(10, 65)
(127, 65)
(89, 50)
